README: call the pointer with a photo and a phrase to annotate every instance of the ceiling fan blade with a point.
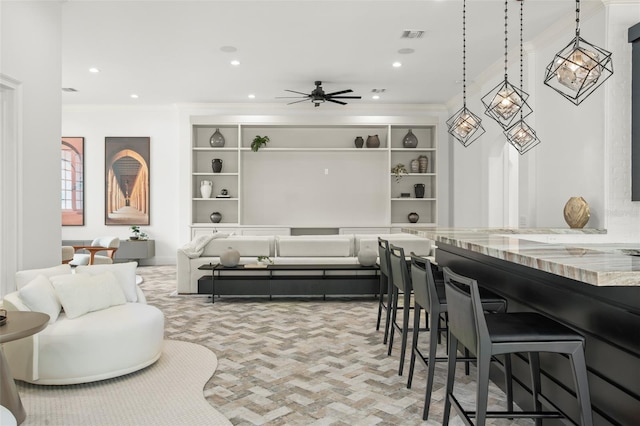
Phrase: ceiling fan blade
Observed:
(336, 102)
(297, 102)
(291, 97)
(344, 97)
(339, 93)
(300, 93)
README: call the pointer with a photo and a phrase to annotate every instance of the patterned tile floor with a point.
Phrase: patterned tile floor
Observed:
(296, 361)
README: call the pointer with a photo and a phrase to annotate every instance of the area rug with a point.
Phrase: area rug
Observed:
(169, 392)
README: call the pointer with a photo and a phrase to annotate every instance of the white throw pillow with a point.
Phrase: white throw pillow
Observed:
(25, 277)
(84, 293)
(40, 296)
(124, 272)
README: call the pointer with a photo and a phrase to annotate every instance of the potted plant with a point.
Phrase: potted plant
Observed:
(135, 231)
(398, 170)
(258, 142)
(265, 260)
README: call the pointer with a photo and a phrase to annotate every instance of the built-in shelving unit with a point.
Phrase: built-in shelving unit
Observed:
(311, 176)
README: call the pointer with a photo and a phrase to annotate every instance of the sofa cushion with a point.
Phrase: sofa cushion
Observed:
(125, 274)
(80, 293)
(40, 296)
(25, 277)
(315, 246)
(247, 246)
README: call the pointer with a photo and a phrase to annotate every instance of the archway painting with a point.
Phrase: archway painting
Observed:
(126, 181)
(72, 185)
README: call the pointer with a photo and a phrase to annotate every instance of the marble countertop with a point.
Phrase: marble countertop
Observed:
(585, 255)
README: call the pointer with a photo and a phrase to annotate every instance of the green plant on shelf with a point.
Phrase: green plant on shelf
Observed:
(398, 170)
(265, 259)
(258, 142)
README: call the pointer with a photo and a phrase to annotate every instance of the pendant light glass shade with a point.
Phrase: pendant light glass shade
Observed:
(465, 126)
(578, 69)
(522, 137)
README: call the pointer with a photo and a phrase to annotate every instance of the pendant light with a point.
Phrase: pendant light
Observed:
(521, 136)
(505, 101)
(580, 68)
(464, 125)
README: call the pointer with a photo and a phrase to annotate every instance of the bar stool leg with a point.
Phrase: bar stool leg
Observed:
(405, 329)
(394, 313)
(508, 381)
(483, 363)
(534, 367)
(579, 367)
(388, 318)
(431, 366)
(414, 344)
(451, 373)
(380, 301)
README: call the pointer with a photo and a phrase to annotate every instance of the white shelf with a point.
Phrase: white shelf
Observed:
(412, 225)
(213, 225)
(414, 174)
(214, 174)
(413, 149)
(318, 149)
(412, 199)
(210, 148)
(215, 199)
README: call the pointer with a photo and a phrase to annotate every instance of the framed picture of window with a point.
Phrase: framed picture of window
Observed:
(72, 184)
(126, 180)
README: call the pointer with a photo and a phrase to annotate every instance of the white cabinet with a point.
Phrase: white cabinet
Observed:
(311, 176)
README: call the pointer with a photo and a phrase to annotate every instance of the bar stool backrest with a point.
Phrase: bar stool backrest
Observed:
(383, 254)
(466, 317)
(424, 286)
(399, 268)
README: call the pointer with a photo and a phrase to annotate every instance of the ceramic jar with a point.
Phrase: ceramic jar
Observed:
(216, 165)
(373, 141)
(423, 161)
(206, 186)
(215, 217)
(359, 142)
(230, 257)
(415, 166)
(410, 140)
(413, 217)
(418, 188)
(217, 140)
(367, 257)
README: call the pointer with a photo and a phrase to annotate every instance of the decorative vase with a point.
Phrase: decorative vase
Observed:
(576, 212)
(413, 217)
(215, 217)
(359, 142)
(230, 257)
(373, 141)
(418, 188)
(205, 188)
(410, 140)
(216, 140)
(367, 257)
(415, 166)
(216, 165)
(424, 163)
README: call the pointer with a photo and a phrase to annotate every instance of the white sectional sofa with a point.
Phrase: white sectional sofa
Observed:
(106, 329)
(284, 250)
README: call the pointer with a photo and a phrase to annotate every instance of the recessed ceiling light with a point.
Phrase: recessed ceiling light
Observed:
(397, 64)
(252, 96)
(94, 70)
(228, 49)
(134, 96)
(235, 62)
(375, 97)
(406, 51)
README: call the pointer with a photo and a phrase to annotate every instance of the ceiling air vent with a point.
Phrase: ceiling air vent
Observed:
(412, 34)
(69, 89)
(378, 90)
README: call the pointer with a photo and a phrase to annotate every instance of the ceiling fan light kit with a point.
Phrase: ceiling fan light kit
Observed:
(579, 68)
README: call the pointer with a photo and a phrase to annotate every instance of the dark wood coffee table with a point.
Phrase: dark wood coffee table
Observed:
(290, 280)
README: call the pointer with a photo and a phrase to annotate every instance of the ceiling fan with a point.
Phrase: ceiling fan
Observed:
(318, 96)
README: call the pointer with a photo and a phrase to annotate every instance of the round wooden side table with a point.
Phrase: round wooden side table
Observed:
(19, 325)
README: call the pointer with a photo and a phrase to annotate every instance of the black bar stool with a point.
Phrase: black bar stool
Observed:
(429, 294)
(385, 286)
(401, 286)
(505, 333)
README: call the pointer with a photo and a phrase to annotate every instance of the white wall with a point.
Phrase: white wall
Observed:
(31, 55)
(158, 123)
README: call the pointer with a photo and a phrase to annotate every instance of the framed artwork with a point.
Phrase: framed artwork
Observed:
(72, 181)
(126, 181)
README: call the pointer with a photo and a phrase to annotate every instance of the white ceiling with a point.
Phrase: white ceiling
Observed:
(170, 51)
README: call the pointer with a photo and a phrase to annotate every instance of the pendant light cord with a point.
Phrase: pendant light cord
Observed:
(521, 52)
(464, 53)
(506, 36)
(577, 18)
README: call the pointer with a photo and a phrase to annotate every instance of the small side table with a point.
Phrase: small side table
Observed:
(19, 325)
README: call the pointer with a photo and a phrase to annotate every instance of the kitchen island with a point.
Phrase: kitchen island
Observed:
(577, 277)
